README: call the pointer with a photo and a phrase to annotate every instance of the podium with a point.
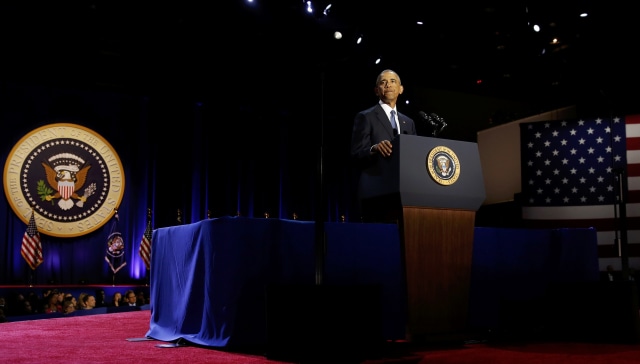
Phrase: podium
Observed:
(432, 189)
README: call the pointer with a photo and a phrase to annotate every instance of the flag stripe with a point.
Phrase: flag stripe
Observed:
(607, 247)
(608, 237)
(612, 251)
(582, 213)
(633, 173)
(607, 225)
(632, 119)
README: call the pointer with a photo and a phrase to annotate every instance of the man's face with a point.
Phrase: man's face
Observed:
(131, 298)
(388, 88)
(91, 302)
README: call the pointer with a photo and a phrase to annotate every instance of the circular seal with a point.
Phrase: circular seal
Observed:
(443, 165)
(68, 175)
(115, 245)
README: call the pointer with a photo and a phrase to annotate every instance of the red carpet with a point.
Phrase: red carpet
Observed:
(539, 353)
(103, 339)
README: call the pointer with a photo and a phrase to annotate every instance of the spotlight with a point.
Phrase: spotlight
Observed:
(337, 35)
(326, 10)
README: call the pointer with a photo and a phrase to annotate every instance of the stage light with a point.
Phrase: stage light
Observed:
(326, 10)
(337, 35)
(378, 61)
(359, 40)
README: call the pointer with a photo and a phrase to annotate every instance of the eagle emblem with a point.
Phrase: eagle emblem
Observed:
(66, 174)
(443, 165)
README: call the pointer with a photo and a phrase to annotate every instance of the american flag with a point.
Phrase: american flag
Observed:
(577, 173)
(31, 249)
(145, 246)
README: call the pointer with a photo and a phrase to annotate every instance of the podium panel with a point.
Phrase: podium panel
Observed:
(432, 188)
(438, 250)
(405, 175)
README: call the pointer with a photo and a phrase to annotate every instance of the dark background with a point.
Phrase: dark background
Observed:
(268, 57)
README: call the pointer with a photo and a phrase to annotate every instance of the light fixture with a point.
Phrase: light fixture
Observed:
(326, 10)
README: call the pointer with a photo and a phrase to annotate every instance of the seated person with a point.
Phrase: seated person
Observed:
(89, 302)
(116, 300)
(130, 298)
(68, 307)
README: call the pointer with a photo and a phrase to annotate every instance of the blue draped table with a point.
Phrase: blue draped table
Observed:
(208, 279)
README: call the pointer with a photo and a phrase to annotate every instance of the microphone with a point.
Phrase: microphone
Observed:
(428, 118)
(442, 126)
(436, 122)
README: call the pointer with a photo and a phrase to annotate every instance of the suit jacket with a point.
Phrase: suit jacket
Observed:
(372, 126)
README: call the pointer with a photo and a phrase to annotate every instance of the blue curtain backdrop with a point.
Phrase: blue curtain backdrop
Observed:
(204, 158)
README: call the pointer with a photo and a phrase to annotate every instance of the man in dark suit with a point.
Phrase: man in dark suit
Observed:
(130, 298)
(374, 128)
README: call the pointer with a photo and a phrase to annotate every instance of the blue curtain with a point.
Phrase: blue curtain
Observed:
(178, 154)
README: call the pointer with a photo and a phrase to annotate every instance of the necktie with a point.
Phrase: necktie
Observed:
(393, 122)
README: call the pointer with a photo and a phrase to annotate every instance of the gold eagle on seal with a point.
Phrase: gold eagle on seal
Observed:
(66, 180)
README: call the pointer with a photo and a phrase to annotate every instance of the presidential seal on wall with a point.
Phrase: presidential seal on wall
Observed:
(443, 165)
(69, 175)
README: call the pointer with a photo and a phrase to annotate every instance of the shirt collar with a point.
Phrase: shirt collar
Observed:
(387, 109)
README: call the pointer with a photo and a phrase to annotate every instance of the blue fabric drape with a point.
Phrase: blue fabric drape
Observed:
(209, 287)
(212, 277)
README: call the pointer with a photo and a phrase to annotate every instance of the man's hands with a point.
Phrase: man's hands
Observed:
(383, 148)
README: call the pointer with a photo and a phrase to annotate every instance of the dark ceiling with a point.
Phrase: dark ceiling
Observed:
(273, 52)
